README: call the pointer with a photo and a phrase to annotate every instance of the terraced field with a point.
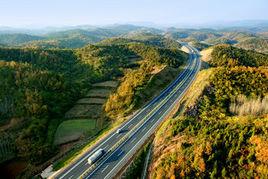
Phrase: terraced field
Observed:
(91, 105)
(100, 93)
(91, 101)
(106, 84)
(85, 114)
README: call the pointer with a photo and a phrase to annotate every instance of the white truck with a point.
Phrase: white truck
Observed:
(94, 157)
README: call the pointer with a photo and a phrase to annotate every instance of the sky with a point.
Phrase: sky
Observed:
(101, 12)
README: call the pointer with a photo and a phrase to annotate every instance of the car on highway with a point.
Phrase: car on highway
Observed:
(118, 131)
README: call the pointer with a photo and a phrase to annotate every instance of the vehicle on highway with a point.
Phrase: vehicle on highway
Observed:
(93, 158)
(118, 131)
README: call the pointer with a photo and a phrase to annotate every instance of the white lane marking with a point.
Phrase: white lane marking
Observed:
(129, 151)
(159, 112)
(85, 163)
(117, 136)
(71, 177)
(105, 146)
(104, 168)
(143, 129)
(120, 153)
(82, 159)
(133, 140)
(131, 125)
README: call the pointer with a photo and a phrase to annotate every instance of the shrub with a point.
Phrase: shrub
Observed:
(249, 106)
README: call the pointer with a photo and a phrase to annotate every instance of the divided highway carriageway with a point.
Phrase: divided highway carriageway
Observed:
(120, 147)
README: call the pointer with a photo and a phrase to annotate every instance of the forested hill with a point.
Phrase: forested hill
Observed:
(39, 85)
(15, 39)
(258, 44)
(75, 38)
(145, 38)
(226, 55)
(72, 37)
(221, 130)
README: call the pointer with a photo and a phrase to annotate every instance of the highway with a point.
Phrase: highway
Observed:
(121, 147)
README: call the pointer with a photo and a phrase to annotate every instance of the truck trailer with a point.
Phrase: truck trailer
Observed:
(94, 157)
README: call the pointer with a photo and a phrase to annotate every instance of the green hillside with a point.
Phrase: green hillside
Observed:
(16, 39)
(38, 86)
(225, 55)
(192, 34)
(211, 36)
(230, 38)
(222, 131)
(258, 44)
(133, 91)
(145, 38)
(72, 38)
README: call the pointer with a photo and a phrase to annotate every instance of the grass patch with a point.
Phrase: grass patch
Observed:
(79, 150)
(52, 128)
(73, 129)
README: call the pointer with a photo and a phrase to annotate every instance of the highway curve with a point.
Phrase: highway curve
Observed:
(121, 147)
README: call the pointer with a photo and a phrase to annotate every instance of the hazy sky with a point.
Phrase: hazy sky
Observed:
(76, 12)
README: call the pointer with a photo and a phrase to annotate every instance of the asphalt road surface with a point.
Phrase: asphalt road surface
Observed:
(119, 148)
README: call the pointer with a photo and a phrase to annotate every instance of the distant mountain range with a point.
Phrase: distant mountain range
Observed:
(79, 36)
(67, 37)
(256, 24)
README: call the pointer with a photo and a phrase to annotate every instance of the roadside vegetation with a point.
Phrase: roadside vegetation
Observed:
(136, 168)
(131, 93)
(222, 129)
